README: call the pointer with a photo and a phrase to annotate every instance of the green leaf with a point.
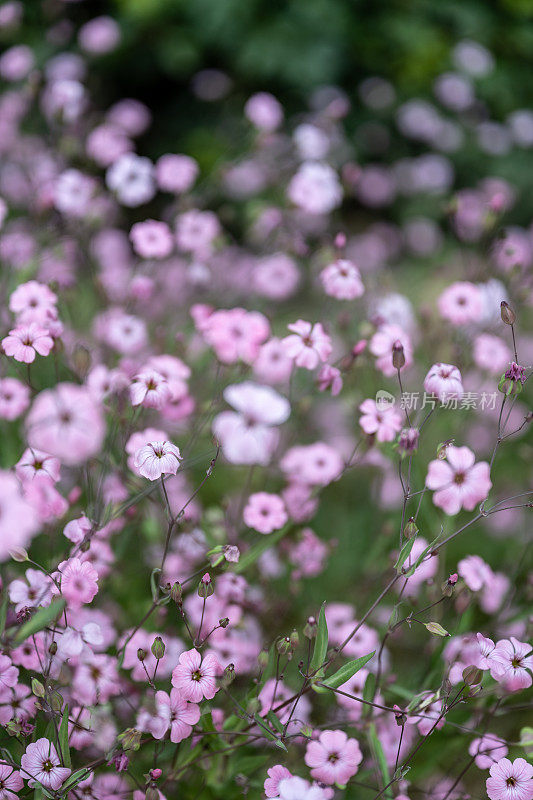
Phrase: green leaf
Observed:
(268, 733)
(344, 673)
(250, 557)
(274, 721)
(75, 778)
(40, 620)
(379, 757)
(369, 690)
(63, 738)
(404, 554)
(321, 645)
(154, 583)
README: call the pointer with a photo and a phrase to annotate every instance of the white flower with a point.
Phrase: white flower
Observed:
(156, 459)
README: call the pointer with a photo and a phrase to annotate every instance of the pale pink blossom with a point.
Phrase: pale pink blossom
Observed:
(79, 582)
(314, 464)
(41, 762)
(510, 780)
(10, 782)
(275, 774)
(487, 749)
(461, 303)
(236, 334)
(458, 482)
(308, 344)
(175, 172)
(264, 111)
(265, 512)
(35, 591)
(195, 677)
(175, 712)
(330, 378)
(511, 664)
(26, 341)
(382, 343)
(491, 353)
(14, 398)
(333, 758)
(342, 280)
(296, 788)
(156, 459)
(34, 463)
(315, 188)
(151, 239)
(444, 381)
(149, 389)
(382, 420)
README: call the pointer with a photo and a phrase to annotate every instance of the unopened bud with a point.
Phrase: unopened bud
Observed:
(56, 702)
(205, 587)
(37, 688)
(399, 716)
(283, 646)
(410, 529)
(158, 648)
(53, 648)
(508, 315)
(141, 654)
(436, 628)
(398, 355)
(19, 554)
(310, 628)
(130, 739)
(81, 360)
(228, 676)
(262, 660)
(176, 593)
(472, 676)
(295, 640)
(155, 774)
(224, 622)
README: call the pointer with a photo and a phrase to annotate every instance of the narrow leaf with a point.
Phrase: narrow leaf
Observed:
(404, 554)
(40, 620)
(63, 738)
(345, 673)
(321, 645)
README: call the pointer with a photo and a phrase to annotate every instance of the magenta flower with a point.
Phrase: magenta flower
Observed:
(510, 780)
(10, 782)
(443, 381)
(383, 420)
(333, 758)
(179, 714)
(156, 459)
(196, 677)
(24, 342)
(308, 344)
(458, 482)
(42, 763)
(265, 512)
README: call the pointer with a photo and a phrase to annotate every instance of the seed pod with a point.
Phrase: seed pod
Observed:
(310, 628)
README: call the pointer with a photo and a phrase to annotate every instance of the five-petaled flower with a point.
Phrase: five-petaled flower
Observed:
(156, 459)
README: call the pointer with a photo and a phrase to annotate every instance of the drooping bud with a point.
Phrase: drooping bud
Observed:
(155, 774)
(56, 702)
(205, 587)
(436, 628)
(158, 648)
(508, 315)
(119, 761)
(310, 628)
(398, 355)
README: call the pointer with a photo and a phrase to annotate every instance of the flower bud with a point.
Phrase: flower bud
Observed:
(205, 587)
(158, 648)
(398, 355)
(130, 739)
(228, 676)
(283, 646)
(224, 622)
(436, 628)
(340, 241)
(262, 660)
(295, 640)
(175, 593)
(508, 315)
(56, 702)
(141, 654)
(472, 676)
(310, 628)
(53, 648)
(19, 554)
(155, 774)
(399, 716)
(37, 688)
(81, 360)
(410, 529)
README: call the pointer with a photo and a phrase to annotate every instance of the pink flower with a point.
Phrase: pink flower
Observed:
(34, 463)
(444, 381)
(461, 303)
(196, 230)
(180, 714)
(32, 296)
(272, 364)
(265, 512)
(248, 435)
(66, 422)
(176, 173)
(42, 762)
(491, 353)
(196, 677)
(315, 188)
(382, 343)
(275, 774)
(330, 378)
(342, 280)
(152, 239)
(35, 591)
(487, 749)
(308, 345)
(333, 758)
(156, 459)
(314, 464)
(10, 782)
(510, 780)
(79, 582)
(14, 398)
(24, 342)
(475, 572)
(458, 482)
(19, 521)
(236, 334)
(383, 420)
(486, 648)
(149, 389)
(8, 673)
(264, 111)
(511, 663)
